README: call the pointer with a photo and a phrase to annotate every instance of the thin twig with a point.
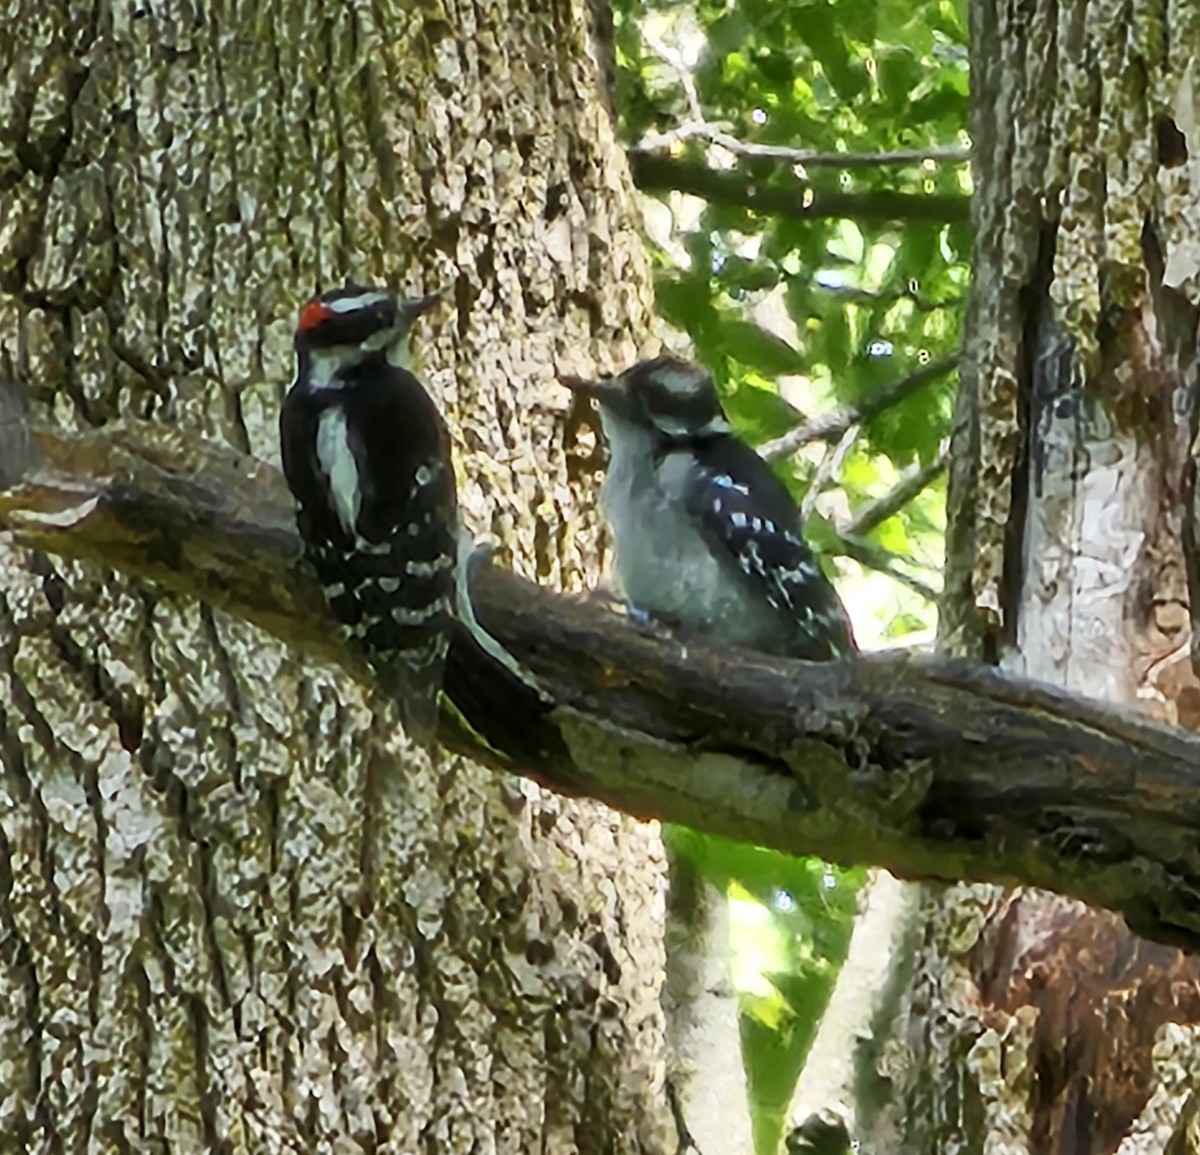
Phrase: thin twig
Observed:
(714, 134)
(912, 481)
(883, 561)
(675, 61)
(854, 295)
(829, 471)
(832, 426)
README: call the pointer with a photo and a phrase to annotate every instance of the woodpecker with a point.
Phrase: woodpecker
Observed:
(367, 458)
(707, 538)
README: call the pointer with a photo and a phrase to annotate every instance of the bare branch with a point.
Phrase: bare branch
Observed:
(715, 134)
(832, 426)
(931, 768)
(676, 63)
(829, 470)
(914, 480)
(856, 295)
(883, 561)
(790, 196)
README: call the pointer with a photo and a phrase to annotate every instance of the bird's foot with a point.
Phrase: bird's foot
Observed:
(642, 619)
(650, 623)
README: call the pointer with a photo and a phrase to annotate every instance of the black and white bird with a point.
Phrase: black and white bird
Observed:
(707, 538)
(367, 458)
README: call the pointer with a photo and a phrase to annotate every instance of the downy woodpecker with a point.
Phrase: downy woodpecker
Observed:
(706, 536)
(367, 458)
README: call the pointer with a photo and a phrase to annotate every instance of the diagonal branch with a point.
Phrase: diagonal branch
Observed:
(914, 480)
(876, 557)
(832, 426)
(674, 60)
(933, 768)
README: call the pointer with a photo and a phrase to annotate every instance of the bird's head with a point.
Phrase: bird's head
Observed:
(672, 399)
(345, 325)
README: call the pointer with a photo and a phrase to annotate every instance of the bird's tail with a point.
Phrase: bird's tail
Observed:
(498, 699)
(412, 682)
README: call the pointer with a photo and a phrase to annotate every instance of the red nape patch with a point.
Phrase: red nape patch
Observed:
(312, 315)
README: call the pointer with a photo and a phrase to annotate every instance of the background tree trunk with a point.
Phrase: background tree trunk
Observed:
(702, 1006)
(1033, 1023)
(839, 1084)
(236, 912)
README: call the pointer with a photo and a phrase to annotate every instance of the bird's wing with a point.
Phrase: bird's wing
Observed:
(746, 513)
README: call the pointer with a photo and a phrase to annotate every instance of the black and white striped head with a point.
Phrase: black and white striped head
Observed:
(674, 399)
(345, 325)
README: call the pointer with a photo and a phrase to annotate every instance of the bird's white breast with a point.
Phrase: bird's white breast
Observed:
(663, 563)
(337, 461)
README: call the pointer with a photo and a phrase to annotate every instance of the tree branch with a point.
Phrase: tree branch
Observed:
(933, 768)
(884, 561)
(654, 172)
(914, 480)
(833, 425)
(715, 134)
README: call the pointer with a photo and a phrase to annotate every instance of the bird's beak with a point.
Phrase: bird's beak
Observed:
(410, 310)
(398, 339)
(609, 393)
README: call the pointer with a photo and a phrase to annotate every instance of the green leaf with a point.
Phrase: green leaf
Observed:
(757, 348)
(819, 29)
(759, 414)
(739, 274)
(685, 300)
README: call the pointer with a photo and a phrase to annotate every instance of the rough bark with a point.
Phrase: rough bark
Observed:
(1033, 1023)
(235, 912)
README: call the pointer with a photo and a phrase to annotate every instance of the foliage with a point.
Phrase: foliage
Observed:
(791, 920)
(855, 277)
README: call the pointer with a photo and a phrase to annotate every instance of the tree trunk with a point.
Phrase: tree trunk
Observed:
(1033, 1023)
(703, 1009)
(237, 913)
(838, 1084)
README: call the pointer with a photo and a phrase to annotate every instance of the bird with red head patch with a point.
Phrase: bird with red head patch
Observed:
(367, 458)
